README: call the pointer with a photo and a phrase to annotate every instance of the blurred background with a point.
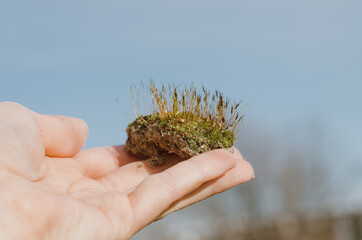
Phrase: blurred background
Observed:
(297, 65)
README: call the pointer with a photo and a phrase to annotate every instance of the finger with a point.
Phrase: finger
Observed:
(98, 162)
(242, 173)
(102, 161)
(155, 194)
(62, 136)
(132, 174)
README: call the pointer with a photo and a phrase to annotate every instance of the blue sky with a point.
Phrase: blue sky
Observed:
(291, 62)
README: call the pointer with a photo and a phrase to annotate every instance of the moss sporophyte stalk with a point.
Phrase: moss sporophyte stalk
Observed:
(183, 121)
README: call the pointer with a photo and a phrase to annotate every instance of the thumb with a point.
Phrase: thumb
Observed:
(62, 136)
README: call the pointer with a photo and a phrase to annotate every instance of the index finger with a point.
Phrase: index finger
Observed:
(157, 192)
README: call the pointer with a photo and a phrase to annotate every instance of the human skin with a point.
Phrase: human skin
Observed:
(49, 189)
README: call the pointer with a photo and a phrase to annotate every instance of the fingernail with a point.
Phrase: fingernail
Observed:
(230, 149)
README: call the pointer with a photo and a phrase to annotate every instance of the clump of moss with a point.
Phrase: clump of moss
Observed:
(185, 122)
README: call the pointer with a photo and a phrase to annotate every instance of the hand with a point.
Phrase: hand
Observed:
(49, 189)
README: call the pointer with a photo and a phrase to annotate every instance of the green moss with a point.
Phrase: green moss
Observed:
(183, 122)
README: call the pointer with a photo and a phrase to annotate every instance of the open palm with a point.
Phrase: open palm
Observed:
(49, 189)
